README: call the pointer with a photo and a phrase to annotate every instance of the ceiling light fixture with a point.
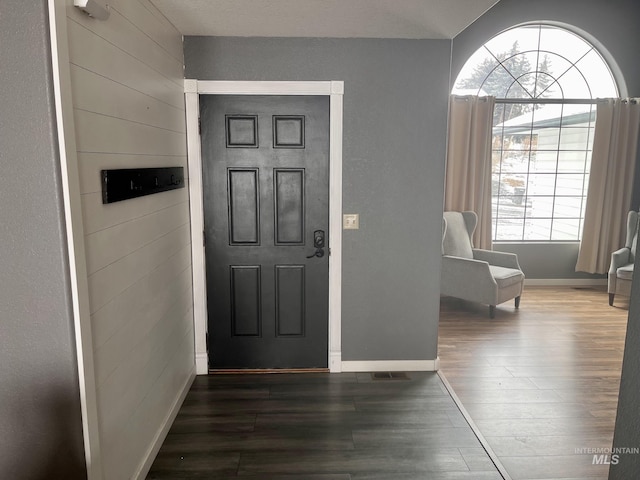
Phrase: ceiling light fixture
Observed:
(94, 8)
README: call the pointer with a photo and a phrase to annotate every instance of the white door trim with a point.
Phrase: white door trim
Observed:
(333, 89)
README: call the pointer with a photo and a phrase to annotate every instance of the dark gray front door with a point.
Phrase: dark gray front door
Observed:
(266, 207)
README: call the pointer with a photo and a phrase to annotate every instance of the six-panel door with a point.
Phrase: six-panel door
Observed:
(265, 179)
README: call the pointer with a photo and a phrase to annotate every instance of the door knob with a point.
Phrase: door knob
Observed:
(318, 244)
(318, 253)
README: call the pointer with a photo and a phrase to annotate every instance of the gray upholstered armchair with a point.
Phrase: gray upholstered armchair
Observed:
(621, 269)
(469, 273)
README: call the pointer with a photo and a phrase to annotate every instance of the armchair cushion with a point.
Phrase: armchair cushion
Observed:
(626, 272)
(506, 277)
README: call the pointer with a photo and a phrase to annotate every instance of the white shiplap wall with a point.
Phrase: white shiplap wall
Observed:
(127, 89)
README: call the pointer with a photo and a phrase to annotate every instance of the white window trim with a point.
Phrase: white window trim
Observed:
(333, 89)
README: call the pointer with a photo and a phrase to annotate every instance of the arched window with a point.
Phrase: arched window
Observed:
(546, 81)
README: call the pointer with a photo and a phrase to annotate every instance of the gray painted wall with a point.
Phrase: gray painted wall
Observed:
(547, 260)
(395, 120)
(40, 420)
(612, 26)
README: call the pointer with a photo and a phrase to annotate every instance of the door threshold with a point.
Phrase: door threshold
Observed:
(262, 371)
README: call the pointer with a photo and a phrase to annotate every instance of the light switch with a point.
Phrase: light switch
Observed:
(350, 221)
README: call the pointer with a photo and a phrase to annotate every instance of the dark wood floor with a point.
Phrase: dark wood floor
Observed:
(321, 427)
(540, 382)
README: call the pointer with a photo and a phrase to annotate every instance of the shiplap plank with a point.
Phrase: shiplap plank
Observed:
(127, 386)
(149, 20)
(122, 34)
(137, 299)
(109, 245)
(98, 216)
(111, 281)
(100, 134)
(91, 52)
(97, 94)
(90, 165)
(116, 349)
(171, 375)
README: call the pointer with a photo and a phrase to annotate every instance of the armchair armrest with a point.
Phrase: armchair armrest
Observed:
(467, 278)
(619, 258)
(499, 259)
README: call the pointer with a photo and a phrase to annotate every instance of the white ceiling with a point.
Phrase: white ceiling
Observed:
(324, 18)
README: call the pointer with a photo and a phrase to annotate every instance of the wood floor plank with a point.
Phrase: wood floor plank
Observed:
(423, 404)
(383, 460)
(269, 379)
(310, 476)
(434, 419)
(503, 383)
(172, 466)
(544, 445)
(193, 423)
(426, 438)
(481, 411)
(226, 393)
(542, 426)
(475, 475)
(468, 367)
(420, 388)
(272, 439)
(499, 395)
(243, 407)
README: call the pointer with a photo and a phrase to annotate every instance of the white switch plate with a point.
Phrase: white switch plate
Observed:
(351, 221)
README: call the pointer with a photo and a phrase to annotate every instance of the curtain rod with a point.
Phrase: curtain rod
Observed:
(571, 101)
(568, 101)
(541, 101)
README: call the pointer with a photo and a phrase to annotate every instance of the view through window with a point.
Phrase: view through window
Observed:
(546, 81)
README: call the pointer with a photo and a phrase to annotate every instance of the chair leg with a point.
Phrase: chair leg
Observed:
(492, 311)
(517, 301)
(611, 295)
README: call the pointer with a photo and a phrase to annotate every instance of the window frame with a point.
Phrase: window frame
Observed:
(537, 101)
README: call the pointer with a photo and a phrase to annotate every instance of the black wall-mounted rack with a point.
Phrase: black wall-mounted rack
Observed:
(126, 183)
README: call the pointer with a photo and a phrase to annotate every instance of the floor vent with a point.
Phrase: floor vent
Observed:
(390, 376)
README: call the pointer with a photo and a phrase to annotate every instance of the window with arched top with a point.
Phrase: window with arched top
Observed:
(546, 81)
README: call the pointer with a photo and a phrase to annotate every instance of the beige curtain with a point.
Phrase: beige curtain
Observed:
(615, 146)
(468, 176)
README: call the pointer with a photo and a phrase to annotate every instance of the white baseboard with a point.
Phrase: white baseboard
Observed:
(391, 365)
(202, 364)
(145, 466)
(564, 282)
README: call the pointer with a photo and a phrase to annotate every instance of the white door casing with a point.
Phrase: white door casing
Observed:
(333, 89)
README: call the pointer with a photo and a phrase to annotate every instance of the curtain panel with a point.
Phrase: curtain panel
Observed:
(615, 148)
(468, 173)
